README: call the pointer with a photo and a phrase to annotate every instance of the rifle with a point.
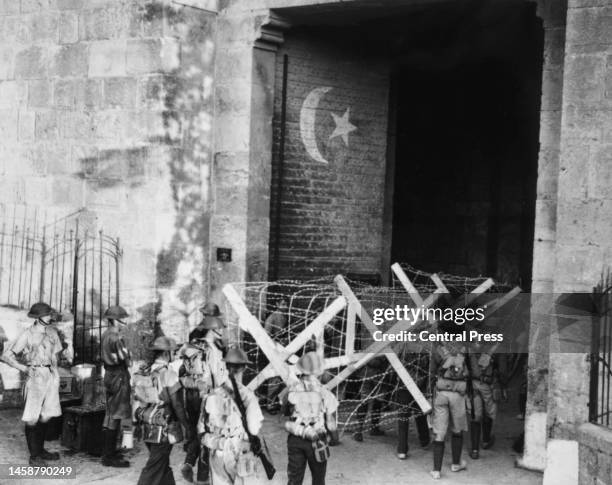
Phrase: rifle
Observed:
(256, 444)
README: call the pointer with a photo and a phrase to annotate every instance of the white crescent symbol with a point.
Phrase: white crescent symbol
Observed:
(307, 122)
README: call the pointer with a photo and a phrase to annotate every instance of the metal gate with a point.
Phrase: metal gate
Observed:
(76, 271)
(600, 402)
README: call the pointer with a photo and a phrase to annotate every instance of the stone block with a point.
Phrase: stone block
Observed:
(108, 22)
(573, 172)
(43, 27)
(152, 92)
(27, 124)
(561, 463)
(589, 26)
(40, 94)
(47, 125)
(110, 124)
(31, 63)
(9, 7)
(6, 62)
(107, 58)
(600, 172)
(583, 79)
(608, 79)
(583, 125)
(554, 47)
(68, 28)
(548, 173)
(543, 259)
(37, 191)
(77, 125)
(68, 191)
(9, 94)
(8, 125)
(71, 61)
(550, 129)
(552, 89)
(70, 4)
(152, 55)
(232, 132)
(120, 92)
(34, 6)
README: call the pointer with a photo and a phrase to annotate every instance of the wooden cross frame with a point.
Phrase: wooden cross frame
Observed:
(276, 354)
(376, 347)
(356, 308)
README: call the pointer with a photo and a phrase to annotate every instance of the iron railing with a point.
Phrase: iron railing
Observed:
(600, 404)
(54, 260)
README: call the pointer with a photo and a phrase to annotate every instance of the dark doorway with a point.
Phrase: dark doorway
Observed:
(467, 147)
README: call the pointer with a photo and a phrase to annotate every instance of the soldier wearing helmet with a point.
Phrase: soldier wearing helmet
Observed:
(231, 459)
(39, 347)
(116, 359)
(168, 409)
(202, 370)
(313, 421)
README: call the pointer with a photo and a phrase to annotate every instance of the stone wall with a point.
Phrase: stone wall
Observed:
(331, 209)
(594, 454)
(106, 104)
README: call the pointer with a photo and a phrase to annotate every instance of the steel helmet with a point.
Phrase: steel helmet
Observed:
(210, 309)
(211, 322)
(163, 343)
(311, 364)
(235, 355)
(40, 309)
(115, 312)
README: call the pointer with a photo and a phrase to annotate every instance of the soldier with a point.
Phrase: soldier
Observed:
(116, 359)
(196, 377)
(168, 410)
(370, 386)
(449, 369)
(485, 372)
(231, 459)
(313, 416)
(39, 347)
(407, 403)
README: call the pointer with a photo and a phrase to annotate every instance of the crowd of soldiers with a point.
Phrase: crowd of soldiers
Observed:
(205, 406)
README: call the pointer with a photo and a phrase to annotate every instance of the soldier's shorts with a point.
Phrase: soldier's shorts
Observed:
(483, 398)
(41, 395)
(448, 405)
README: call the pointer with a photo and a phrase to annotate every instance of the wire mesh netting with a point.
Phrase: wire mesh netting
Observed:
(373, 395)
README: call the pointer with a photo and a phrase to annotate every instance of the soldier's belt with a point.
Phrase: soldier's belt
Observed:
(444, 384)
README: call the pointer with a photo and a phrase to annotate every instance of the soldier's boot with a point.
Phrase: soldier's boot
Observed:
(109, 458)
(41, 431)
(456, 446)
(438, 456)
(34, 446)
(475, 439)
(488, 439)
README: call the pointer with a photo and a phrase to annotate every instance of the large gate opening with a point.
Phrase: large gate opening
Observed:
(467, 115)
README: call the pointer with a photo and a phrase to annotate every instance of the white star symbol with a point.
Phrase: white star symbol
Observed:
(343, 126)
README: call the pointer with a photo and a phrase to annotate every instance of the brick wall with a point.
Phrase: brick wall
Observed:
(331, 217)
(106, 104)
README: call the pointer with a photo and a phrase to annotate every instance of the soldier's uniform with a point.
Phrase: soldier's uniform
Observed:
(486, 377)
(203, 369)
(223, 434)
(450, 371)
(312, 420)
(157, 469)
(407, 403)
(116, 359)
(39, 347)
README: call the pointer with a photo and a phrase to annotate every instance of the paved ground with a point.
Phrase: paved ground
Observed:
(372, 462)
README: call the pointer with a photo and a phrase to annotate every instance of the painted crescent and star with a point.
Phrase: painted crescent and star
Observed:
(307, 123)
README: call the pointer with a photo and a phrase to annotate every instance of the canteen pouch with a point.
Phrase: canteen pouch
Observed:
(321, 450)
(152, 433)
(245, 466)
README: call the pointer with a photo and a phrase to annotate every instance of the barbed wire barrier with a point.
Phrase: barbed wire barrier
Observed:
(332, 316)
